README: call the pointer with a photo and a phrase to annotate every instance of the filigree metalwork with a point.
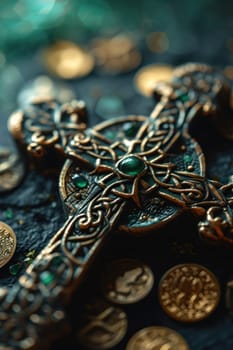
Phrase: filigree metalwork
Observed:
(151, 168)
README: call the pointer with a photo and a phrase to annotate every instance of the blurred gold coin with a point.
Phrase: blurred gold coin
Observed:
(102, 325)
(127, 281)
(228, 72)
(68, 60)
(12, 170)
(146, 78)
(189, 292)
(117, 54)
(157, 338)
(157, 42)
(7, 243)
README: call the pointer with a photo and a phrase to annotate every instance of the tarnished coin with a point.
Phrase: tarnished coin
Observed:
(189, 292)
(12, 170)
(157, 338)
(102, 325)
(42, 87)
(117, 54)
(68, 60)
(146, 78)
(7, 243)
(127, 281)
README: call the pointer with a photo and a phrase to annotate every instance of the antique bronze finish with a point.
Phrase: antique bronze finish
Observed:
(150, 169)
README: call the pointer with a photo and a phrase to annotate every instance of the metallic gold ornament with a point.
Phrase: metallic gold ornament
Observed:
(157, 338)
(68, 60)
(147, 77)
(189, 292)
(103, 326)
(131, 173)
(127, 281)
(7, 243)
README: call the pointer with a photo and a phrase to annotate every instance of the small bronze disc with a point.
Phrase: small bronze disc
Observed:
(157, 338)
(7, 243)
(146, 78)
(189, 292)
(127, 281)
(102, 326)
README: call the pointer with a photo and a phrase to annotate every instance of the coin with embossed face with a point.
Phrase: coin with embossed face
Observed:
(146, 78)
(189, 292)
(7, 243)
(157, 338)
(102, 325)
(126, 281)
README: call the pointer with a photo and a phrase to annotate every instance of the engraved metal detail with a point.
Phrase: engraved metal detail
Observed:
(172, 180)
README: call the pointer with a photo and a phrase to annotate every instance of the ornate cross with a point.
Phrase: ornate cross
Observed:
(134, 173)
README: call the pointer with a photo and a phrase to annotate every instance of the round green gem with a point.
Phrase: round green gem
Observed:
(187, 158)
(184, 97)
(47, 277)
(79, 181)
(131, 165)
(14, 269)
(130, 129)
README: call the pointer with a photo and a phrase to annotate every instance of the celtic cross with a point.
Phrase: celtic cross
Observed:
(134, 173)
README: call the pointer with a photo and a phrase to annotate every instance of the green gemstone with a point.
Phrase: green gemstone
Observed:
(184, 97)
(14, 269)
(79, 181)
(57, 260)
(131, 165)
(187, 158)
(9, 213)
(47, 277)
(130, 129)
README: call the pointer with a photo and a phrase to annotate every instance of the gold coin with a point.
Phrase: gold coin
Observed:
(7, 243)
(102, 325)
(127, 281)
(12, 170)
(157, 338)
(117, 54)
(189, 292)
(146, 78)
(67, 60)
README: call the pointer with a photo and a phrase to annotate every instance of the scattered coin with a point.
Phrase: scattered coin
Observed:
(127, 281)
(146, 78)
(157, 338)
(44, 88)
(68, 60)
(12, 170)
(102, 326)
(229, 296)
(117, 54)
(7, 243)
(157, 42)
(189, 292)
(228, 72)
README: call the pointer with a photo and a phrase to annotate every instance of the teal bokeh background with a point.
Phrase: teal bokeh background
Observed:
(25, 24)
